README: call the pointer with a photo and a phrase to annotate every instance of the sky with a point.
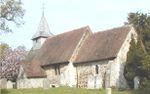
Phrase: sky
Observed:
(66, 15)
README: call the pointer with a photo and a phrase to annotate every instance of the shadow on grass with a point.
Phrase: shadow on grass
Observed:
(4, 91)
(145, 90)
(142, 91)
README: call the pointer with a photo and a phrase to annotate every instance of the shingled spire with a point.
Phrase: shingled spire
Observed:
(42, 33)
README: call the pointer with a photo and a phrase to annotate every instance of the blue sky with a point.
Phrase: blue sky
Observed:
(65, 15)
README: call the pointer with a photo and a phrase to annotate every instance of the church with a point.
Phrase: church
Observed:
(77, 58)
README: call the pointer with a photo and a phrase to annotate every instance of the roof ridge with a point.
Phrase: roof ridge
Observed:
(102, 45)
(73, 30)
(124, 26)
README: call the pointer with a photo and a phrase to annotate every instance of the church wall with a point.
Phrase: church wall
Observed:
(71, 75)
(66, 76)
(117, 78)
(87, 77)
(37, 43)
(42, 40)
(71, 71)
(59, 79)
(30, 83)
(111, 73)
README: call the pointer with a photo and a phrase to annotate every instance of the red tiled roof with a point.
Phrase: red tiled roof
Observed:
(56, 49)
(103, 45)
(60, 48)
(34, 70)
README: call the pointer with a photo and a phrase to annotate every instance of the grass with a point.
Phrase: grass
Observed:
(67, 90)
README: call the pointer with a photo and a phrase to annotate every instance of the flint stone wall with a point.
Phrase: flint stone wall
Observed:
(30, 83)
(117, 65)
(57, 79)
(87, 76)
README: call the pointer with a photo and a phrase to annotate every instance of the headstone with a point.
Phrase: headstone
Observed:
(136, 82)
(94, 82)
(91, 81)
(98, 81)
(46, 84)
(3, 83)
(108, 91)
(10, 84)
(107, 78)
(62, 79)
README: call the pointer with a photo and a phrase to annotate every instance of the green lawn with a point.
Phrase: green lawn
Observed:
(66, 90)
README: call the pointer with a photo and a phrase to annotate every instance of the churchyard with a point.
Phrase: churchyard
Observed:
(68, 90)
(11, 89)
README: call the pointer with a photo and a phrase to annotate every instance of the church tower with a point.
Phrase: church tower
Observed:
(42, 33)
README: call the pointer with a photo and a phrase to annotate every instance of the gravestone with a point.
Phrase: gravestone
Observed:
(98, 82)
(94, 82)
(46, 84)
(3, 83)
(136, 82)
(10, 84)
(108, 91)
(90, 82)
(107, 78)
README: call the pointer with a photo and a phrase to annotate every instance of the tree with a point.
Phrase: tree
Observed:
(140, 22)
(11, 63)
(138, 58)
(133, 64)
(146, 66)
(11, 11)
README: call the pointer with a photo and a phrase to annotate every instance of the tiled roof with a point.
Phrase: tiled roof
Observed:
(59, 49)
(31, 55)
(34, 70)
(56, 49)
(103, 45)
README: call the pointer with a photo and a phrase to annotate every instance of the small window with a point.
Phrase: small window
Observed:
(96, 69)
(57, 70)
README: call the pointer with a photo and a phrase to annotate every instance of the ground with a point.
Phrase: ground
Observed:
(68, 90)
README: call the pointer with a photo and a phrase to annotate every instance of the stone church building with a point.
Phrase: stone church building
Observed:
(77, 58)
